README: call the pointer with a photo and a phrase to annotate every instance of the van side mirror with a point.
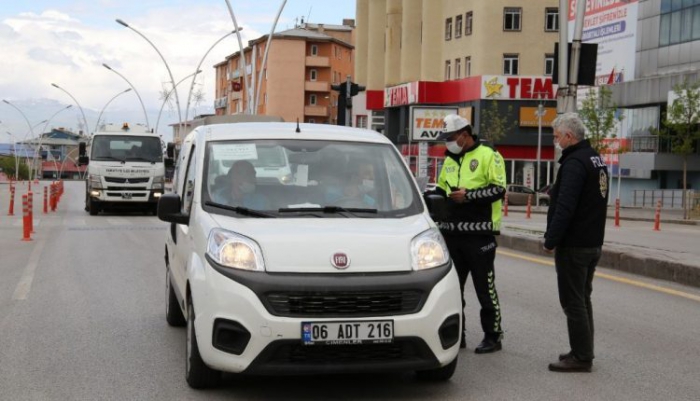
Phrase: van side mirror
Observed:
(436, 206)
(170, 150)
(169, 206)
(81, 149)
(83, 160)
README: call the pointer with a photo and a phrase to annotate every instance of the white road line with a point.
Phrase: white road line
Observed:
(25, 283)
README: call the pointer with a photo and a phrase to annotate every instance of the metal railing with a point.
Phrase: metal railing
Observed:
(670, 198)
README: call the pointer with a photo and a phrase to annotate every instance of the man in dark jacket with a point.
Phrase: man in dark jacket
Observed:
(575, 233)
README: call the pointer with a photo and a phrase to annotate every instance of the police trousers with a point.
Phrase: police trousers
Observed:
(475, 254)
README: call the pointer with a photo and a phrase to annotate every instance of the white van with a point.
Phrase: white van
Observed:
(336, 269)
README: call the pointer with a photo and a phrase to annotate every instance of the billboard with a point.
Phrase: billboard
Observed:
(427, 122)
(529, 118)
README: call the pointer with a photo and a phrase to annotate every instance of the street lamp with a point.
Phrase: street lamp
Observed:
(135, 91)
(242, 65)
(264, 62)
(172, 80)
(22, 113)
(41, 137)
(167, 96)
(14, 152)
(194, 76)
(76, 102)
(99, 116)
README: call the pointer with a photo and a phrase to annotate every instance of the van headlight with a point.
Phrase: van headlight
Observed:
(428, 250)
(235, 251)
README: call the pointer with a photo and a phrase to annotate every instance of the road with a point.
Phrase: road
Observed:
(82, 318)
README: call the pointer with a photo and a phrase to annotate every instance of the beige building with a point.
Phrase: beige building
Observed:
(423, 59)
(302, 65)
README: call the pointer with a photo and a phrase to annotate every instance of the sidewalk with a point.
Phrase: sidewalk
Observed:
(671, 253)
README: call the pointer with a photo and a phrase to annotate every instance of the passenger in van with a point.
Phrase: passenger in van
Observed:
(357, 191)
(240, 188)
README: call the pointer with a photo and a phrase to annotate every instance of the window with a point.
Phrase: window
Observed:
(680, 21)
(312, 100)
(312, 121)
(511, 18)
(510, 64)
(548, 64)
(448, 29)
(361, 121)
(468, 66)
(447, 70)
(468, 23)
(458, 26)
(551, 19)
(314, 50)
(313, 74)
(458, 68)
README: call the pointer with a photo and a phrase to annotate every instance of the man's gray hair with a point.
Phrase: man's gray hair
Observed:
(570, 122)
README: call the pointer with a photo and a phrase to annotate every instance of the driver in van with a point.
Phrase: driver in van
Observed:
(240, 187)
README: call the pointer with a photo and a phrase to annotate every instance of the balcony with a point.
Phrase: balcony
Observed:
(316, 61)
(317, 86)
(316, 111)
(233, 74)
(220, 103)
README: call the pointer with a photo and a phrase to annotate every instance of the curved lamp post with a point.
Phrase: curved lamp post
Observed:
(148, 126)
(41, 137)
(242, 65)
(167, 96)
(264, 62)
(99, 116)
(172, 80)
(76, 102)
(194, 76)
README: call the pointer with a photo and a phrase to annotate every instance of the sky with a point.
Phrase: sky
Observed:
(65, 42)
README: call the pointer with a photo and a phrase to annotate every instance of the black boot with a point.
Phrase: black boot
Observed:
(571, 364)
(489, 344)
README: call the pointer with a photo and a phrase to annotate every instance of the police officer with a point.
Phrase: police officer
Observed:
(473, 180)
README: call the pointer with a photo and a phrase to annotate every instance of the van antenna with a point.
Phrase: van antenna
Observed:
(298, 130)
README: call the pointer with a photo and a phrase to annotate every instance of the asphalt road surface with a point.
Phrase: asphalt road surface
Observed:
(82, 318)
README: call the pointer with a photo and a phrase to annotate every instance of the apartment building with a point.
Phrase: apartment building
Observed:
(423, 59)
(302, 65)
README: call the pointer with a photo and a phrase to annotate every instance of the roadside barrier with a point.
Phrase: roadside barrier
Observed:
(30, 200)
(657, 216)
(505, 206)
(53, 197)
(529, 206)
(617, 212)
(46, 200)
(29, 185)
(11, 212)
(26, 231)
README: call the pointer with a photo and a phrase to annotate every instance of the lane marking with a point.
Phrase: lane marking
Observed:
(25, 283)
(611, 277)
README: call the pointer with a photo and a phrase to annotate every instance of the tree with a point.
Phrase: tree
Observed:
(681, 126)
(598, 115)
(8, 165)
(494, 125)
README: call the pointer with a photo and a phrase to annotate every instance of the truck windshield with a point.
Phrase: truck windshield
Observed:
(126, 148)
(295, 178)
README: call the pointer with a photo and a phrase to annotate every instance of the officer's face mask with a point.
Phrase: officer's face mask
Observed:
(454, 146)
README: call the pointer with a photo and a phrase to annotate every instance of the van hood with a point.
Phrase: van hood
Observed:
(309, 245)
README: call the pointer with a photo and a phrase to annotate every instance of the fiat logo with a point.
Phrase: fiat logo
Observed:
(340, 261)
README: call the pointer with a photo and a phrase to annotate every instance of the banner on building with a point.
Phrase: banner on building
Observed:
(511, 87)
(528, 116)
(427, 122)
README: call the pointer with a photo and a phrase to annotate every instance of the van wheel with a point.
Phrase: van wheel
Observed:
(197, 373)
(173, 313)
(93, 207)
(440, 374)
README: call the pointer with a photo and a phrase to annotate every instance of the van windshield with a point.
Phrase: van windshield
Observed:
(302, 178)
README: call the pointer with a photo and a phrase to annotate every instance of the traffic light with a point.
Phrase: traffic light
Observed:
(345, 93)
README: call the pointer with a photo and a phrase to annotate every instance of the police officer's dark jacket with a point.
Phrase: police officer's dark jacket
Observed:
(479, 169)
(578, 199)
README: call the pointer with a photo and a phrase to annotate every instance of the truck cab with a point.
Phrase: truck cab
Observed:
(126, 167)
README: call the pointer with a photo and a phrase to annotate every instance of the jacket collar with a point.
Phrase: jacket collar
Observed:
(571, 149)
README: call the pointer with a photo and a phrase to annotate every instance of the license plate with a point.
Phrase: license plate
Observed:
(349, 332)
(126, 195)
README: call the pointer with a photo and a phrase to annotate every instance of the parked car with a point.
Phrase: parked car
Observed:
(338, 269)
(518, 194)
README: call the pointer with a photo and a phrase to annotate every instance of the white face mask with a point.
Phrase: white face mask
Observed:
(247, 187)
(453, 147)
(558, 146)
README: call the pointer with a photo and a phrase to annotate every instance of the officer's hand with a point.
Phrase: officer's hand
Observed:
(459, 195)
(547, 251)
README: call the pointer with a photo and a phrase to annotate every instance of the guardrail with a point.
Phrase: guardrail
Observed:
(670, 198)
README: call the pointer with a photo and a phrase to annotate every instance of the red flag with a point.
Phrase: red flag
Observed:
(611, 78)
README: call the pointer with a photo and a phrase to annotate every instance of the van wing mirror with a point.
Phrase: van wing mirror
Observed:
(436, 206)
(81, 149)
(170, 150)
(83, 160)
(169, 209)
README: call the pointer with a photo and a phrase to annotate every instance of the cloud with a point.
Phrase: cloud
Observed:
(54, 56)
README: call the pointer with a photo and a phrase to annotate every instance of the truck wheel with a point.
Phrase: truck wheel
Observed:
(173, 313)
(93, 207)
(197, 373)
(440, 374)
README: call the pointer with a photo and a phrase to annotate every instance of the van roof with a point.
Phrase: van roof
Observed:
(267, 130)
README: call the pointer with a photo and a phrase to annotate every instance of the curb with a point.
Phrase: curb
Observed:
(616, 259)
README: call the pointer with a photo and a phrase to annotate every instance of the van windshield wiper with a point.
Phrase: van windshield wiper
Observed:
(239, 209)
(328, 209)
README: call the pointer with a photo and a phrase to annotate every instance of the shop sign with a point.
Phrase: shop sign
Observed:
(401, 95)
(507, 87)
(528, 116)
(427, 122)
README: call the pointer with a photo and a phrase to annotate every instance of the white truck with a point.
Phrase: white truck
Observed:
(126, 167)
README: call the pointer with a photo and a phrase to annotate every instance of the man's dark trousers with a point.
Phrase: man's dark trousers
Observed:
(575, 270)
(476, 254)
